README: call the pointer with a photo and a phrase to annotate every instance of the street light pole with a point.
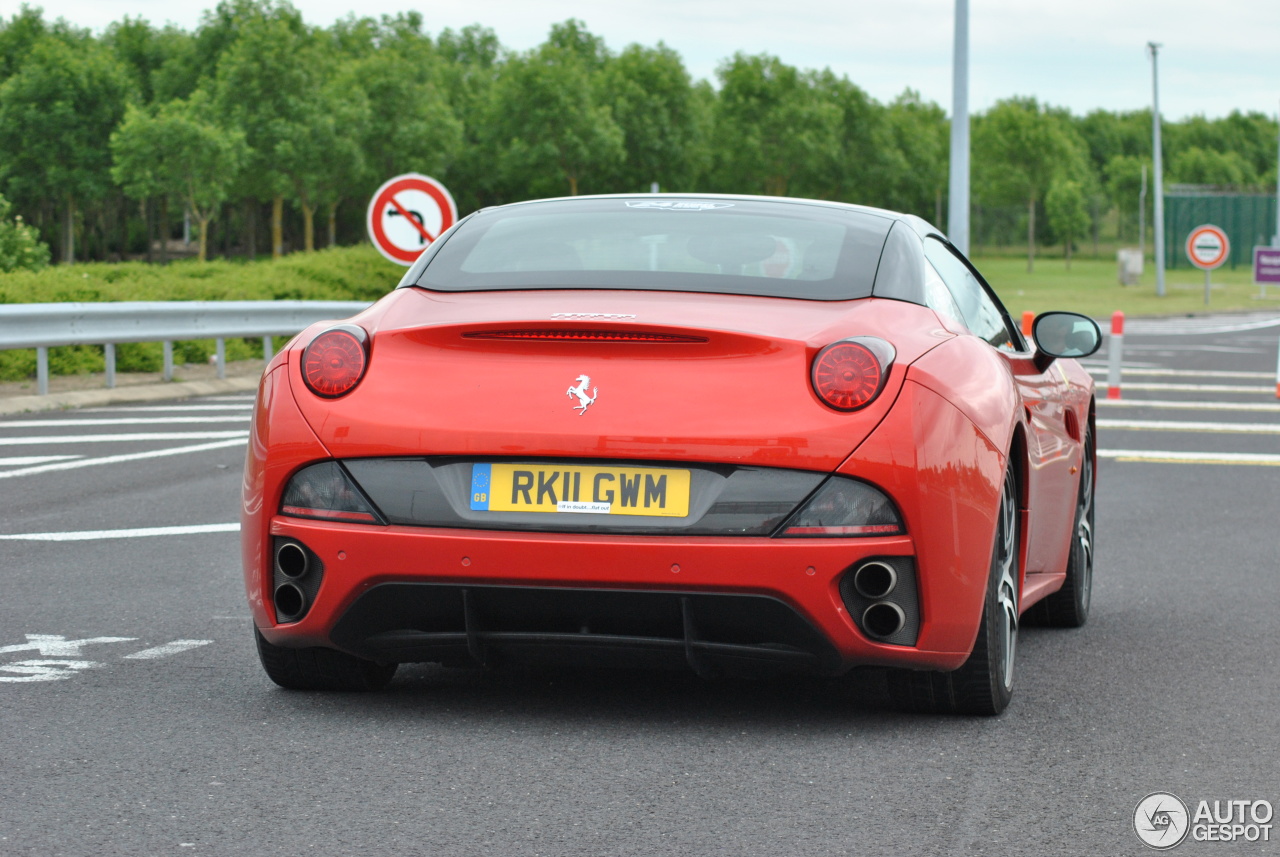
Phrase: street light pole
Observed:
(1154, 48)
(958, 199)
(1142, 215)
(1275, 242)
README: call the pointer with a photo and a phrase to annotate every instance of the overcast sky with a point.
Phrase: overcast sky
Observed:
(1083, 55)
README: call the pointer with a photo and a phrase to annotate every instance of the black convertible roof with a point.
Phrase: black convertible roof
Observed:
(751, 245)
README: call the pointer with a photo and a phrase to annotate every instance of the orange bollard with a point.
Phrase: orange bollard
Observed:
(1115, 353)
(1027, 318)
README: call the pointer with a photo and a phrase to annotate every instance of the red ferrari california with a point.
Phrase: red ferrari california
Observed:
(726, 434)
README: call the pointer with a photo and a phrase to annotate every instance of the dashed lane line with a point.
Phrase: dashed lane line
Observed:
(116, 459)
(1197, 388)
(1184, 373)
(125, 421)
(122, 438)
(1169, 457)
(1253, 407)
(167, 408)
(174, 648)
(1203, 326)
(28, 460)
(1176, 425)
(136, 533)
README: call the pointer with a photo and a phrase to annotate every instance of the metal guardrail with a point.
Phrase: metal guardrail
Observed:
(44, 326)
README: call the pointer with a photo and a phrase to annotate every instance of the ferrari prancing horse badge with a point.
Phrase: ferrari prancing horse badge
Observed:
(584, 401)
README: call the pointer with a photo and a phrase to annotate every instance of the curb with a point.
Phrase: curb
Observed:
(121, 395)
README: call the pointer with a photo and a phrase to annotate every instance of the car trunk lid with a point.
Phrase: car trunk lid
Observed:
(610, 375)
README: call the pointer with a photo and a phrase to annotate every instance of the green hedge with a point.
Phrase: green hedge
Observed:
(341, 273)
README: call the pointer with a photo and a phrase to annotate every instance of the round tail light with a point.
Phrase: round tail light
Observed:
(335, 361)
(848, 375)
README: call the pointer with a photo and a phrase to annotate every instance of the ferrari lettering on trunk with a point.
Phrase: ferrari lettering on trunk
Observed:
(503, 487)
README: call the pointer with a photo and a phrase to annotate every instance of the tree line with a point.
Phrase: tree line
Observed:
(265, 131)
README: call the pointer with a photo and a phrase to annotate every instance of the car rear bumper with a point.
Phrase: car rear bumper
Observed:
(402, 593)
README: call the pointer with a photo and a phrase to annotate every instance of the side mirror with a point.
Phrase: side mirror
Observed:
(1064, 334)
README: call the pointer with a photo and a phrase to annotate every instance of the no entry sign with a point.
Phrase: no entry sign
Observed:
(1208, 247)
(408, 213)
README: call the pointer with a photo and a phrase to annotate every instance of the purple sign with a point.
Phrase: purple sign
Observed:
(1266, 264)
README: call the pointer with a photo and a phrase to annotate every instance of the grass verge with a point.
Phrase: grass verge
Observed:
(1092, 287)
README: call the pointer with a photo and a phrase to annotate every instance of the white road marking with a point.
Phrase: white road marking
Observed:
(166, 408)
(136, 533)
(61, 658)
(1196, 388)
(44, 669)
(58, 646)
(116, 459)
(125, 421)
(1207, 326)
(122, 438)
(167, 649)
(1257, 407)
(1183, 373)
(1174, 425)
(1167, 457)
(27, 460)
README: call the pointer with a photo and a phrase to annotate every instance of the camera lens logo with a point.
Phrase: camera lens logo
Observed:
(1161, 820)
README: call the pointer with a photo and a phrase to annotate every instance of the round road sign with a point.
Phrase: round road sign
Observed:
(1207, 247)
(408, 213)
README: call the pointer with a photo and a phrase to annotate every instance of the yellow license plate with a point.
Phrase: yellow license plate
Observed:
(581, 490)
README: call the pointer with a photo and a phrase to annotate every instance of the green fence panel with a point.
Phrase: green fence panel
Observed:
(1248, 220)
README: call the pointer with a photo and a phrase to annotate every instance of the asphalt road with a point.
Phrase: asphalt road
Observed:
(135, 719)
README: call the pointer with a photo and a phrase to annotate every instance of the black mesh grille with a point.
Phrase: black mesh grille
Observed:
(903, 595)
(710, 632)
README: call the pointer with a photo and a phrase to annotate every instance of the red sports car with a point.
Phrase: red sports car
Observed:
(731, 434)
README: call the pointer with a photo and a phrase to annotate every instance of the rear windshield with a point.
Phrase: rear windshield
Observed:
(749, 247)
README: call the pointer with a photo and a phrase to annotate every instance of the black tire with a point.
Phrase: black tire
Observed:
(321, 669)
(1069, 606)
(984, 683)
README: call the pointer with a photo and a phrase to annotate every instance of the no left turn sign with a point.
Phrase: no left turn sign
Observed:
(408, 213)
(1207, 247)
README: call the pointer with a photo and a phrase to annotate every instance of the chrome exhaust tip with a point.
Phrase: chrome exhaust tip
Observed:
(292, 560)
(875, 580)
(290, 601)
(883, 619)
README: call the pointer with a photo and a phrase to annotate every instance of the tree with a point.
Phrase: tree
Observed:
(651, 97)
(322, 158)
(177, 152)
(1019, 147)
(20, 245)
(771, 123)
(407, 124)
(864, 162)
(140, 50)
(69, 100)
(263, 85)
(1068, 213)
(918, 135)
(573, 39)
(1207, 166)
(1124, 186)
(471, 61)
(18, 36)
(546, 126)
(1240, 142)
